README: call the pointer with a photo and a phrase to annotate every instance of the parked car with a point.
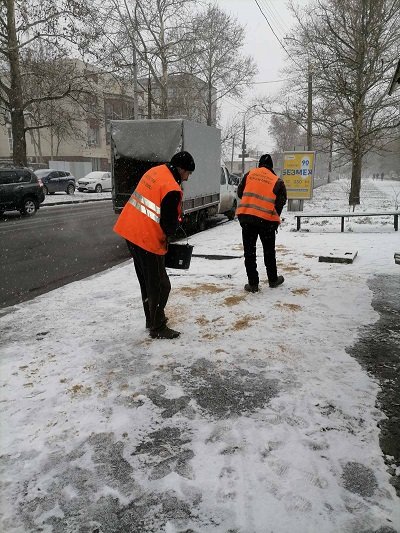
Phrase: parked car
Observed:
(56, 181)
(228, 198)
(96, 181)
(20, 190)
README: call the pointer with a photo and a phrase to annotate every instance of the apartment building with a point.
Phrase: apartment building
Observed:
(86, 146)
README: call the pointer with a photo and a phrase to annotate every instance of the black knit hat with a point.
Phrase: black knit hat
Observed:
(183, 160)
(266, 161)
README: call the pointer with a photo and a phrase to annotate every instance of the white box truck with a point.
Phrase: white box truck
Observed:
(138, 145)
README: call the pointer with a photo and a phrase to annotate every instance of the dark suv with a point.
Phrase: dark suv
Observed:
(20, 189)
(56, 181)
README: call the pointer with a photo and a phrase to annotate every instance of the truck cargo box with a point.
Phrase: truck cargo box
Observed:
(138, 145)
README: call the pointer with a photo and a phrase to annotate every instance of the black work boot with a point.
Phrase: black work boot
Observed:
(279, 280)
(164, 333)
(251, 288)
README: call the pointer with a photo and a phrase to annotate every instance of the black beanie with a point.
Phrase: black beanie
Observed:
(183, 160)
(266, 161)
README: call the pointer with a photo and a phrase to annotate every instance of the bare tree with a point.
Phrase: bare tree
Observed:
(46, 75)
(22, 24)
(145, 38)
(287, 110)
(351, 45)
(214, 55)
(231, 137)
(286, 133)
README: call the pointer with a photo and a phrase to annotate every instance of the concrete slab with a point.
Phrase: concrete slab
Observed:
(338, 256)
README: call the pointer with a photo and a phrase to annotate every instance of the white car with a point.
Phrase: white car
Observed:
(96, 181)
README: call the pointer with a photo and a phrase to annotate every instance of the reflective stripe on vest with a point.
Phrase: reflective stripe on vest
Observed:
(139, 221)
(258, 197)
(144, 205)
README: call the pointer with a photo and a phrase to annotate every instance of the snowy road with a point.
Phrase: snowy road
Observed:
(56, 246)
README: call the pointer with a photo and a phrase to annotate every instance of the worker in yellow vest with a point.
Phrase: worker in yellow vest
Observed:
(151, 215)
(263, 195)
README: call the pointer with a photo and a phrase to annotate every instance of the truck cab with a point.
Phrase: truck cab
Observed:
(228, 198)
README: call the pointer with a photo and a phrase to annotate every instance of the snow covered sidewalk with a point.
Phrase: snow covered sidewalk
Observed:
(81, 197)
(255, 420)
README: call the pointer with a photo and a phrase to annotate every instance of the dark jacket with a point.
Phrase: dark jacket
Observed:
(280, 200)
(169, 217)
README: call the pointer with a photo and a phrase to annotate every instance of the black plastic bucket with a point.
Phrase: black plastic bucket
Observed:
(178, 256)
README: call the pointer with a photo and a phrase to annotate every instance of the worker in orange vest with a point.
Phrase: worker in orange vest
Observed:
(151, 215)
(263, 195)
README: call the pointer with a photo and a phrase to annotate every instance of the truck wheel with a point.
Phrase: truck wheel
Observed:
(29, 207)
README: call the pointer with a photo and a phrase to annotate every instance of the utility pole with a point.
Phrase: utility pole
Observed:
(135, 84)
(233, 149)
(149, 97)
(298, 205)
(309, 108)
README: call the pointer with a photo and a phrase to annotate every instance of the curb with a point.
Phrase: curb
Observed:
(75, 202)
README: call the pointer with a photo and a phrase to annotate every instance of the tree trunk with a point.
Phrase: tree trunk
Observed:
(37, 145)
(330, 155)
(358, 110)
(40, 147)
(354, 197)
(164, 91)
(16, 100)
(51, 131)
(209, 104)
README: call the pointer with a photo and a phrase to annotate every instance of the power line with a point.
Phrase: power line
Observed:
(235, 104)
(282, 22)
(277, 38)
(280, 27)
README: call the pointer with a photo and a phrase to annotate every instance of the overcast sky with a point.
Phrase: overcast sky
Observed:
(267, 53)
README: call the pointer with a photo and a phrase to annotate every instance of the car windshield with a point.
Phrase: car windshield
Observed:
(94, 175)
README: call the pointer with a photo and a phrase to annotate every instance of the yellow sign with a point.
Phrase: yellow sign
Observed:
(298, 174)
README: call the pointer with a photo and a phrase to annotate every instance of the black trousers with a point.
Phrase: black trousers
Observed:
(250, 234)
(154, 284)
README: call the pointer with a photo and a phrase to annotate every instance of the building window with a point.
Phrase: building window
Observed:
(93, 136)
(10, 139)
(108, 133)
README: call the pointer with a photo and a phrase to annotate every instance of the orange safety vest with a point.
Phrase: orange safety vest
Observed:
(139, 221)
(258, 197)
